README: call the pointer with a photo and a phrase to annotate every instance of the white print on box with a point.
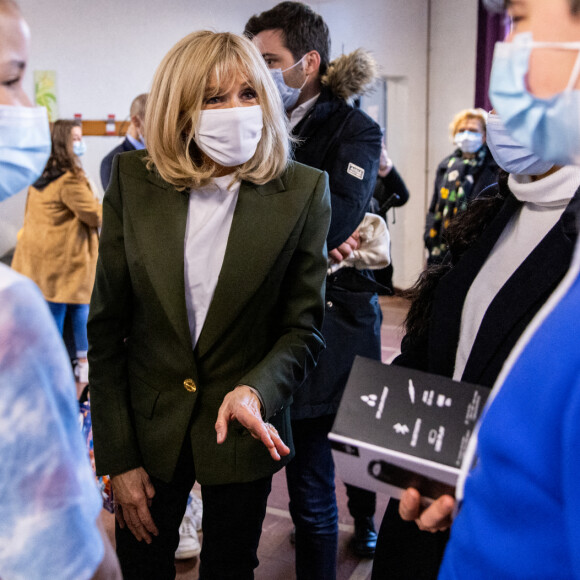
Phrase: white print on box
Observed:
(416, 431)
(412, 391)
(356, 171)
(442, 401)
(473, 408)
(382, 402)
(370, 400)
(401, 429)
(435, 438)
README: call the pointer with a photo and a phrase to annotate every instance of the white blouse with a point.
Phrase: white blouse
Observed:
(209, 220)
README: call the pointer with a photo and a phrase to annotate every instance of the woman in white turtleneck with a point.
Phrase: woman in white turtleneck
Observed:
(544, 199)
(508, 252)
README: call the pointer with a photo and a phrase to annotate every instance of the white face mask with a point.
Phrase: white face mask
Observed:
(468, 141)
(24, 147)
(229, 136)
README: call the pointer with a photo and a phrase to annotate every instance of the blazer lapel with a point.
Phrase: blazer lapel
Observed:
(160, 233)
(263, 220)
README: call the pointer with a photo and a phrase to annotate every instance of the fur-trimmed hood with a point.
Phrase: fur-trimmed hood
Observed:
(351, 75)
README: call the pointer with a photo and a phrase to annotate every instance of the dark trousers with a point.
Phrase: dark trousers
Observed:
(404, 552)
(310, 478)
(232, 524)
(362, 503)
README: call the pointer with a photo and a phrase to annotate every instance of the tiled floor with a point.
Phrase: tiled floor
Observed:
(276, 553)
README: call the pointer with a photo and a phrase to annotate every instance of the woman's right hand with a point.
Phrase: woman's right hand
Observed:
(434, 518)
(132, 493)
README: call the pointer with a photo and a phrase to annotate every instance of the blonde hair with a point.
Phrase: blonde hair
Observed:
(180, 87)
(477, 114)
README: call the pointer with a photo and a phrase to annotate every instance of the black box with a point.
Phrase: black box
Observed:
(398, 427)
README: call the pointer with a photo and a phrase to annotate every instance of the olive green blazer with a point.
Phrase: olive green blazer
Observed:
(149, 387)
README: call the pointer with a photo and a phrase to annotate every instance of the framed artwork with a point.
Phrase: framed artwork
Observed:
(45, 92)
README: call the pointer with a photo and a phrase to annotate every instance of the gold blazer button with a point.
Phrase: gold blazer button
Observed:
(190, 385)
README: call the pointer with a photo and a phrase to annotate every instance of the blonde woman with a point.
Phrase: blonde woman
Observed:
(207, 308)
(460, 177)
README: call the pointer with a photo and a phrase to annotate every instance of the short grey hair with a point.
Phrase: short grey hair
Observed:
(138, 106)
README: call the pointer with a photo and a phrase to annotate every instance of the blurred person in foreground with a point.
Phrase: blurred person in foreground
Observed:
(58, 245)
(507, 253)
(517, 501)
(49, 504)
(207, 308)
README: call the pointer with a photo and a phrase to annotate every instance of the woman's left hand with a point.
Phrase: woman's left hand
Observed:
(243, 405)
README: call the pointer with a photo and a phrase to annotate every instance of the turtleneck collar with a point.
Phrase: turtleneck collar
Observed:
(554, 190)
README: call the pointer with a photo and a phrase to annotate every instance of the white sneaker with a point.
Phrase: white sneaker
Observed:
(194, 510)
(189, 546)
(82, 371)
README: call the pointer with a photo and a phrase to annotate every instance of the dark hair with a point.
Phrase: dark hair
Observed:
(62, 157)
(303, 30)
(574, 6)
(462, 233)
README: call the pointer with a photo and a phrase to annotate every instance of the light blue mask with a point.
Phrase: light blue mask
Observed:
(79, 148)
(510, 155)
(548, 127)
(468, 141)
(24, 147)
(289, 95)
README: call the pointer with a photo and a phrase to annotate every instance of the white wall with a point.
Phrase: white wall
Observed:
(105, 52)
(426, 50)
(452, 74)
(396, 32)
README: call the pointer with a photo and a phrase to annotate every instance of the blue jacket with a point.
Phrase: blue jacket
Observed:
(521, 511)
(403, 549)
(107, 162)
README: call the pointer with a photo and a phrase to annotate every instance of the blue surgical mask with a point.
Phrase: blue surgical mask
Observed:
(468, 141)
(510, 155)
(79, 148)
(24, 147)
(288, 94)
(548, 127)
